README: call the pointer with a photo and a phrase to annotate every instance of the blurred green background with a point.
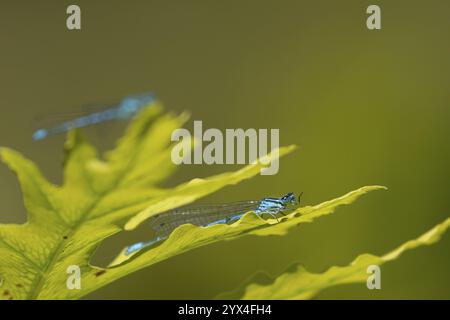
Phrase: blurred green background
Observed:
(366, 107)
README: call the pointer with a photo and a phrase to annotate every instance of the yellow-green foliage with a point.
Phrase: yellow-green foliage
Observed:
(100, 197)
(97, 199)
(301, 284)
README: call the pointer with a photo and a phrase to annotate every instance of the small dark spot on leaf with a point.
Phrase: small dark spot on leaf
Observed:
(6, 293)
(10, 298)
(19, 285)
(65, 237)
(99, 273)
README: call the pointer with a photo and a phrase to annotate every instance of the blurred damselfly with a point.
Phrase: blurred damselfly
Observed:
(125, 109)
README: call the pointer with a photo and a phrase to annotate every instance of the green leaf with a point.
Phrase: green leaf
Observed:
(301, 284)
(98, 198)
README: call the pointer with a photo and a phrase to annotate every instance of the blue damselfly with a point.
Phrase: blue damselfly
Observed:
(208, 215)
(125, 109)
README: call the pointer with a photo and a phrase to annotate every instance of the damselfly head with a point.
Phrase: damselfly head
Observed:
(132, 104)
(289, 198)
(129, 105)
